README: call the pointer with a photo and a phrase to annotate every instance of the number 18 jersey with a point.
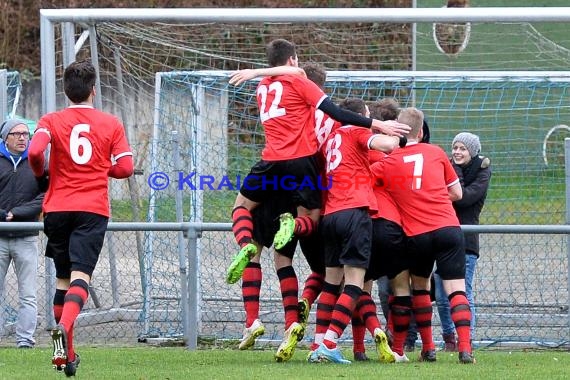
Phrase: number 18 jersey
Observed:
(82, 139)
(286, 109)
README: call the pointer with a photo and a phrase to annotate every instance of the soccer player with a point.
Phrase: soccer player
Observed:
(347, 227)
(265, 225)
(87, 147)
(286, 104)
(423, 184)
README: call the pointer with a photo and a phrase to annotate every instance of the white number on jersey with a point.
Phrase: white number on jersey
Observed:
(334, 156)
(418, 160)
(76, 141)
(274, 110)
(322, 130)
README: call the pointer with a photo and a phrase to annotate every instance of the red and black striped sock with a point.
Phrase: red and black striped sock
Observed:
(461, 317)
(242, 226)
(358, 332)
(342, 313)
(368, 312)
(75, 298)
(58, 301)
(313, 287)
(304, 225)
(325, 307)
(400, 314)
(289, 293)
(250, 289)
(389, 321)
(423, 311)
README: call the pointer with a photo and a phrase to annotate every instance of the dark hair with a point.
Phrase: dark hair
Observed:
(354, 104)
(79, 80)
(385, 109)
(316, 73)
(279, 51)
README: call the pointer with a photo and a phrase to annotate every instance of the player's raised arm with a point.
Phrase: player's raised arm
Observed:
(241, 76)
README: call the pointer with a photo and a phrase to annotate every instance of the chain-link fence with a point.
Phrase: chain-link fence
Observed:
(176, 289)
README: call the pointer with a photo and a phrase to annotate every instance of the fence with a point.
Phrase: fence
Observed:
(522, 287)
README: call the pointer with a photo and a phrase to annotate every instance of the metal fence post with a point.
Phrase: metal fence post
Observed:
(567, 170)
(191, 323)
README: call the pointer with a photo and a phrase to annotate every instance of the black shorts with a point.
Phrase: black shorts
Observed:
(389, 255)
(75, 240)
(445, 247)
(347, 238)
(266, 223)
(296, 180)
(314, 251)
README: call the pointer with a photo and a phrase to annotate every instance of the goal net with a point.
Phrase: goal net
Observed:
(166, 78)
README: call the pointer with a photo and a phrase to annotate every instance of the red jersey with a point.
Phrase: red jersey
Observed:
(348, 172)
(83, 140)
(286, 109)
(324, 126)
(387, 208)
(417, 177)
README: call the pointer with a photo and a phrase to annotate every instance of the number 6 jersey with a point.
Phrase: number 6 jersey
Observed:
(83, 141)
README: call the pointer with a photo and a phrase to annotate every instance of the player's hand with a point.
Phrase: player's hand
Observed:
(241, 76)
(390, 128)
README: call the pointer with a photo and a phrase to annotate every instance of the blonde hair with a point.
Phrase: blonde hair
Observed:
(414, 118)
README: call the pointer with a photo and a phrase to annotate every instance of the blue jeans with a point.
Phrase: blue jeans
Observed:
(23, 252)
(443, 309)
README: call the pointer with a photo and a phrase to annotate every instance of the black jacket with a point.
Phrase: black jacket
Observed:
(19, 194)
(474, 178)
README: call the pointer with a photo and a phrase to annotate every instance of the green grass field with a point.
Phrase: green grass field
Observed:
(177, 363)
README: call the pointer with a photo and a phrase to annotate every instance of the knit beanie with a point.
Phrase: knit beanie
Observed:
(470, 141)
(8, 125)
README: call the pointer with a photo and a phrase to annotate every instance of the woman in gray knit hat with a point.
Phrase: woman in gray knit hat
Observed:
(474, 174)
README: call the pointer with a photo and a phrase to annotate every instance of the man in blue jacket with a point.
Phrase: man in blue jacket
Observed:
(20, 201)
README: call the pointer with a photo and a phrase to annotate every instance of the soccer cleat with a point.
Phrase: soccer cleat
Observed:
(290, 339)
(360, 357)
(304, 310)
(250, 334)
(466, 358)
(409, 346)
(428, 356)
(59, 340)
(385, 354)
(333, 356)
(71, 367)
(286, 230)
(240, 261)
(400, 358)
(312, 357)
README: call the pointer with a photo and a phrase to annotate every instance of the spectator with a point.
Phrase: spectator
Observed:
(474, 175)
(20, 201)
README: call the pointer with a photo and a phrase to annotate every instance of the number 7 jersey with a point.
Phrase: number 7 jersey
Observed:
(83, 140)
(286, 110)
(417, 178)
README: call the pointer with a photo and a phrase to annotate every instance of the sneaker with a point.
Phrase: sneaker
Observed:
(59, 340)
(428, 356)
(450, 342)
(400, 358)
(286, 231)
(385, 354)
(304, 310)
(360, 357)
(466, 358)
(290, 339)
(250, 334)
(333, 356)
(409, 346)
(236, 268)
(71, 367)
